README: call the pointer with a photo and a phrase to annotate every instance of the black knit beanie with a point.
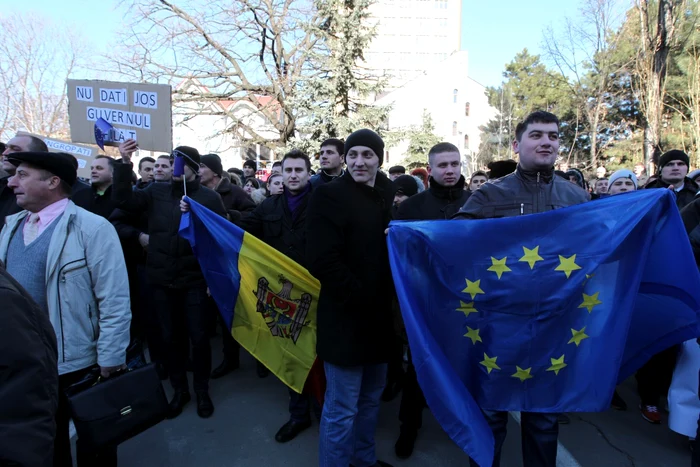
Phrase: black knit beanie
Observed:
(673, 155)
(366, 138)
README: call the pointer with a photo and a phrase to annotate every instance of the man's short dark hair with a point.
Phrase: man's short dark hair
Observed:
(338, 144)
(111, 161)
(539, 116)
(479, 173)
(297, 154)
(277, 164)
(397, 169)
(36, 144)
(440, 148)
(146, 159)
(250, 163)
(166, 156)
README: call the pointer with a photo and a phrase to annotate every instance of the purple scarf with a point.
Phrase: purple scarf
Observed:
(294, 201)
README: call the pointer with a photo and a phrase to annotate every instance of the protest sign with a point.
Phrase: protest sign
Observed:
(138, 111)
(84, 154)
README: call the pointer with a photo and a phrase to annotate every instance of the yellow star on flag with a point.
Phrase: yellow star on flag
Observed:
(590, 301)
(557, 364)
(490, 363)
(473, 334)
(531, 256)
(499, 266)
(467, 308)
(522, 375)
(578, 336)
(473, 288)
(567, 265)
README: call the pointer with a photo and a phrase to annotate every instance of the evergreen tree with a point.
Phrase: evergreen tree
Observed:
(337, 98)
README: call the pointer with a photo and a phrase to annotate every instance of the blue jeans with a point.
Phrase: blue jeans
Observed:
(539, 433)
(350, 414)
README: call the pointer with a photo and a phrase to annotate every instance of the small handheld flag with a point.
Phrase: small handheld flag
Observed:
(179, 166)
(179, 171)
(103, 132)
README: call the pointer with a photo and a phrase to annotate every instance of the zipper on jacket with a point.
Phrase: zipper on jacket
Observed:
(537, 206)
(62, 278)
(522, 208)
(92, 326)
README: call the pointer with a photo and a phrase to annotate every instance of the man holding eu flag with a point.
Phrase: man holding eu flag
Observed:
(532, 188)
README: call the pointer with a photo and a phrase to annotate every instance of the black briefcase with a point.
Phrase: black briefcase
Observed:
(109, 411)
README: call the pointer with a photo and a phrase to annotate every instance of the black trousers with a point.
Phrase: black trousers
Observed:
(412, 400)
(150, 321)
(231, 347)
(87, 457)
(654, 378)
(181, 314)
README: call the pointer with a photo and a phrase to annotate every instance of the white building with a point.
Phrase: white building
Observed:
(412, 36)
(457, 104)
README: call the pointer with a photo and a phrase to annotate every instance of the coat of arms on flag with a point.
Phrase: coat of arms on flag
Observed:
(284, 315)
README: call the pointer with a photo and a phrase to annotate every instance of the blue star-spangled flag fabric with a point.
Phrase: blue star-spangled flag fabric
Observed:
(541, 313)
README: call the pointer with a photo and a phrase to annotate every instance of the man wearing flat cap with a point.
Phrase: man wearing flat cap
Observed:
(673, 174)
(71, 263)
(345, 224)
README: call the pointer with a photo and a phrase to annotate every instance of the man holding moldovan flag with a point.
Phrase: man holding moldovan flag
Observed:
(267, 299)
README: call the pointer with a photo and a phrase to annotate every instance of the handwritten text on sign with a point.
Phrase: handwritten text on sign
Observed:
(139, 111)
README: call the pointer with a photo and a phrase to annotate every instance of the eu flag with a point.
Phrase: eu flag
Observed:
(541, 313)
(267, 300)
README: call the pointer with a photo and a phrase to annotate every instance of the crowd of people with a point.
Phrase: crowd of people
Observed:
(93, 273)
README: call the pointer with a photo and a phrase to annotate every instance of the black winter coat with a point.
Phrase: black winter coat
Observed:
(345, 225)
(272, 223)
(691, 220)
(28, 378)
(236, 200)
(522, 192)
(322, 177)
(170, 262)
(8, 200)
(437, 202)
(683, 197)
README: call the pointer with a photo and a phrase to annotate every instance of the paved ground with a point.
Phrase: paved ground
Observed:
(250, 410)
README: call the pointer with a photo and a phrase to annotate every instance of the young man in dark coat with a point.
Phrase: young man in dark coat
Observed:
(28, 378)
(673, 171)
(281, 222)
(331, 162)
(176, 280)
(236, 200)
(442, 200)
(346, 224)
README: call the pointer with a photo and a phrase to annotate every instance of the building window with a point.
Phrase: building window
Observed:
(466, 141)
(454, 128)
(454, 96)
(466, 109)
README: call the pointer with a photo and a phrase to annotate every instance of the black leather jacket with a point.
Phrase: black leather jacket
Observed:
(522, 192)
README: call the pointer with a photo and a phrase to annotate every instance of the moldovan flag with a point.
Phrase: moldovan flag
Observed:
(267, 300)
